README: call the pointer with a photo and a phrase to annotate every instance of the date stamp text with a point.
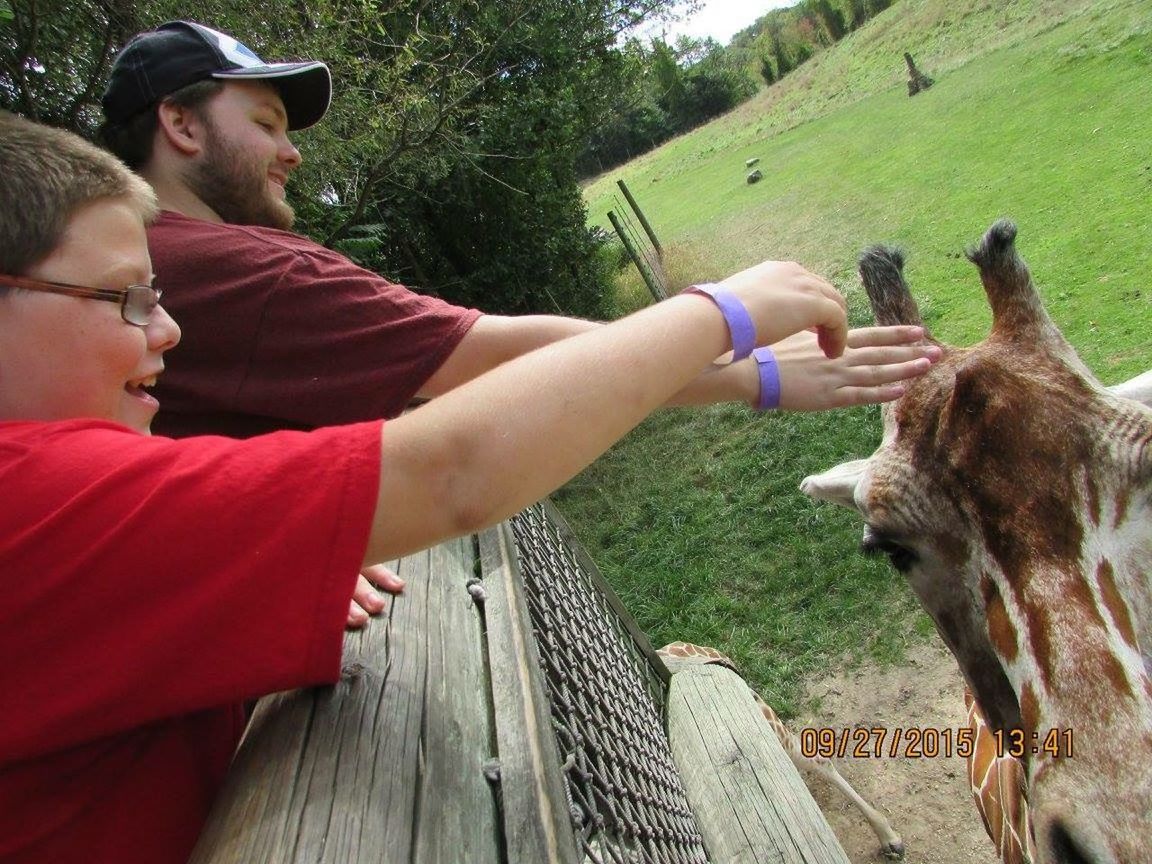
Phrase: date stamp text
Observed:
(928, 742)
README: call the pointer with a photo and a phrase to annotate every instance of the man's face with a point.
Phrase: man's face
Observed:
(70, 357)
(247, 157)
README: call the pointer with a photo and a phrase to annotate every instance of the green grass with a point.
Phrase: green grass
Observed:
(1042, 111)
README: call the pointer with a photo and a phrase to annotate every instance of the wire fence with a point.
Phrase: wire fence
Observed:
(635, 232)
(606, 690)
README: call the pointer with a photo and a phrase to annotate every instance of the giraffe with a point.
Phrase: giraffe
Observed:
(891, 846)
(1014, 492)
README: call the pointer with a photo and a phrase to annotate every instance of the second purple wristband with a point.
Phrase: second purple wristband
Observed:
(769, 373)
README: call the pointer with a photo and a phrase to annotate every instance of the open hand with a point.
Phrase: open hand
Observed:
(875, 367)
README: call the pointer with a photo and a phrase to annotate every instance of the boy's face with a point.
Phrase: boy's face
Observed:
(68, 357)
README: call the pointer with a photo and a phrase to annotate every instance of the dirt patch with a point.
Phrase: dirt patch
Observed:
(926, 800)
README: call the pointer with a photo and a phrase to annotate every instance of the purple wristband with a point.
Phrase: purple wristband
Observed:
(769, 379)
(740, 325)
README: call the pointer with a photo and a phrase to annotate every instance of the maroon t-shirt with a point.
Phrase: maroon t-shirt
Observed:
(280, 332)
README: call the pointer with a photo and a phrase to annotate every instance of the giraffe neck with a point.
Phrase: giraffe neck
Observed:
(997, 785)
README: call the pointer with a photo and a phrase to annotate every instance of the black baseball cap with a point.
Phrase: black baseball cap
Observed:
(174, 55)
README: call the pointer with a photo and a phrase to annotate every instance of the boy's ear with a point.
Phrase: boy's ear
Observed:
(181, 127)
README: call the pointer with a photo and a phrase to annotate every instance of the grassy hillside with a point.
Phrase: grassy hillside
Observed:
(1042, 111)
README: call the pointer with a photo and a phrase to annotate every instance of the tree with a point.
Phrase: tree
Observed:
(447, 113)
(490, 213)
(779, 52)
(503, 225)
(634, 122)
(831, 18)
(665, 90)
(671, 90)
(715, 85)
(785, 38)
(54, 58)
(766, 71)
(857, 13)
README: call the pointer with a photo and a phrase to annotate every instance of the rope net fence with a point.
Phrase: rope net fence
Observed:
(607, 691)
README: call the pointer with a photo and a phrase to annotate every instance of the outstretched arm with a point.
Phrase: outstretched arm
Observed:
(492, 446)
(496, 339)
(872, 370)
(875, 368)
(877, 362)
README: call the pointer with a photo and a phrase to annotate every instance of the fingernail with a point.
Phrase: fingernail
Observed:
(375, 598)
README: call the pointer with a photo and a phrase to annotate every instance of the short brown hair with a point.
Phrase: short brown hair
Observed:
(133, 139)
(46, 175)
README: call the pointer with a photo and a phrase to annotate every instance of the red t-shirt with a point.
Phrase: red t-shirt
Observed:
(150, 587)
(280, 332)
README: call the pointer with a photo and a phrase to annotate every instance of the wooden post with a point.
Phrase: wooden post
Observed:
(437, 745)
(748, 798)
(643, 220)
(645, 274)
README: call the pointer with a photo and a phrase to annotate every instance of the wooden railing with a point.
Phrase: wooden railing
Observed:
(437, 745)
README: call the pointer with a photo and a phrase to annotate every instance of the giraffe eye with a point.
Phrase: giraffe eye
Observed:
(878, 543)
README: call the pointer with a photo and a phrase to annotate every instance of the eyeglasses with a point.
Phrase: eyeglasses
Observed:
(137, 302)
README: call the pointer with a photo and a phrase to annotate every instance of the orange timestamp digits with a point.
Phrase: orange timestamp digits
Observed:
(927, 742)
(911, 742)
(1057, 743)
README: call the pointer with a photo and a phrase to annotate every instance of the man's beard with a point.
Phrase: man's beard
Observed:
(229, 182)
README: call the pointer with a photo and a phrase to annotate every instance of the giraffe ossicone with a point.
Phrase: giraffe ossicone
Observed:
(1014, 492)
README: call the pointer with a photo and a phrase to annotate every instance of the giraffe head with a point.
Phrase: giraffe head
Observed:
(1015, 494)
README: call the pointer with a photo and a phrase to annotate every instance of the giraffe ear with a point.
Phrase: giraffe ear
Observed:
(837, 485)
(1138, 389)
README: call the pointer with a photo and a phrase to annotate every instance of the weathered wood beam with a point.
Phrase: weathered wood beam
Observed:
(386, 766)
(749, 800)
(537, 824)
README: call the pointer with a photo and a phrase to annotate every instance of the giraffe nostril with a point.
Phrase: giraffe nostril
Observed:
(1063, 846)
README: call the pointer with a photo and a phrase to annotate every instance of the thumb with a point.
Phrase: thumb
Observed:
(832, 330)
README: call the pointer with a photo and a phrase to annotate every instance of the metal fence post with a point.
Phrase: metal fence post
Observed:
(640, 215)
(649, 278)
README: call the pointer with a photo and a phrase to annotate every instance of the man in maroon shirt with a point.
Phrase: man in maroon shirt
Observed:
(280, 332)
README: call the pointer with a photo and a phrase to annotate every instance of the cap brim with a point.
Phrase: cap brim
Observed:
(306, 88)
